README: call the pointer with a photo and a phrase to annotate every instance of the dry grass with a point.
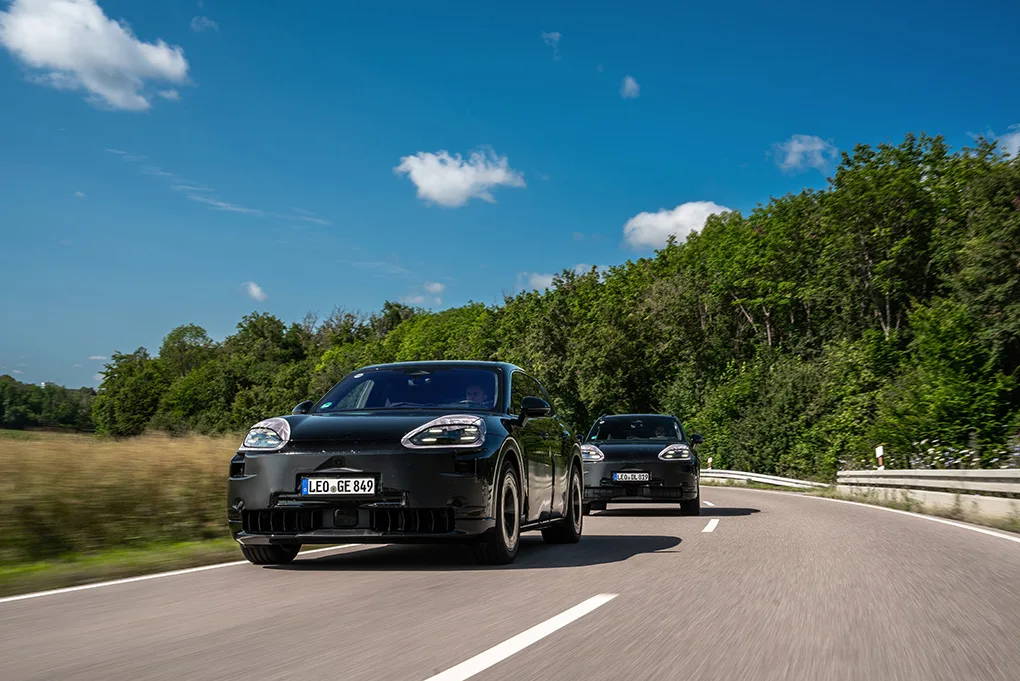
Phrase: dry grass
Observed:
(67, 495)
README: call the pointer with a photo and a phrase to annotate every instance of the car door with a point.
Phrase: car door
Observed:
(561, 443)
(534, 439)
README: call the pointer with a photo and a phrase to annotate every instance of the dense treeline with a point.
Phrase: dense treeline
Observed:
(883, 309)
(26, 405)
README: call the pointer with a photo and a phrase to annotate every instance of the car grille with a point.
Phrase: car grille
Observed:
(607, 493)
(282, 521)
(426, 520)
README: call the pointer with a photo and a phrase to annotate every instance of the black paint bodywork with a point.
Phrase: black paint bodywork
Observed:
(421, 495)
(670, 481)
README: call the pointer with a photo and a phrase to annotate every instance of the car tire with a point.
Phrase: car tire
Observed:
(691, 506)
(501, 547)
(274, 554)
(568, 530)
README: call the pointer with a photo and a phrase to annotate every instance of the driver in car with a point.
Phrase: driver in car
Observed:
(477, 393)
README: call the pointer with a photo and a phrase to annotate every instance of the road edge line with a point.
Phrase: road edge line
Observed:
(154, 575)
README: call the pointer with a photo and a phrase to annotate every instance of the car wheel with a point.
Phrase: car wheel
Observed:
(506, 536)
(568, 530)
(691, 506)
(270, 555)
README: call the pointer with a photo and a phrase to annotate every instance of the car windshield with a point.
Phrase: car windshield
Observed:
(635, 428)
(469, 388)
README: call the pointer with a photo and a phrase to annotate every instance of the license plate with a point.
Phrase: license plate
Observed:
(631, 477)
(345, 486)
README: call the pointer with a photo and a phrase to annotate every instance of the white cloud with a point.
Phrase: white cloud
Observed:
(538, 280)
(171, 94)
(630, 88)
(204, 23)
(553, 40)
(255, 291)
(77, 366)
(435, 287)
(97, 358)
(80, 195)
(190, 188)
(806, 151)
(73, 45)
(17, 371)
(653, 229)
(417, 299)
(223, 205)
(98, 377)
(1010, 142)
(450, 181)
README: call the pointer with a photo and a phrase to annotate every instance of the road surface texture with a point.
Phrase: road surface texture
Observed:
(778, 587)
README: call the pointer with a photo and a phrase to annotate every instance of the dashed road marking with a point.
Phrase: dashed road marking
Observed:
(708, 503)
(488, 658)
(711, 525)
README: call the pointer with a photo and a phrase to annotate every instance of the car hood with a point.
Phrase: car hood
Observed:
(365, 427)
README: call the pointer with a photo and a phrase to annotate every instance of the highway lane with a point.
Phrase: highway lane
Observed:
(782, 587)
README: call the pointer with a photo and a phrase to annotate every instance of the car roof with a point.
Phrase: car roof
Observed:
(633, 416)
(505, 366)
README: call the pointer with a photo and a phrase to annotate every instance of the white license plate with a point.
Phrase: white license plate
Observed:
(631, 477)
(352, 486)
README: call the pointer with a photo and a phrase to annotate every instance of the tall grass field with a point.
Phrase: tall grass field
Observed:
(69, 496)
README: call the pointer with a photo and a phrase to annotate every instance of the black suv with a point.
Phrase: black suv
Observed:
(641, 458)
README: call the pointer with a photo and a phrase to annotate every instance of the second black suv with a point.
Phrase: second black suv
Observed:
(641, 458)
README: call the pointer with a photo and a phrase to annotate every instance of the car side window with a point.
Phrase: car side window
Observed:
(521, 386)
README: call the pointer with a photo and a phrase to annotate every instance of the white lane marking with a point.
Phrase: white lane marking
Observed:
(934, 519)
(708, 503)
(486, 659)
(155, 575)
(711, 525)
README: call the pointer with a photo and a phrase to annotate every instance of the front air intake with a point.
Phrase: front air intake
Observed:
(413, 520)
(281, 521)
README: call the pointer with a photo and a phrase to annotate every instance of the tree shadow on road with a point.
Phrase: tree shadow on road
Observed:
(661, 512)
(534, 553)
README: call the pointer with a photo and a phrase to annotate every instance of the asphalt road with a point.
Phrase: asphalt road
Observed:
(782, 587)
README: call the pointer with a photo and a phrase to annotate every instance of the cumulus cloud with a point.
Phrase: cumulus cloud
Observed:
(553, 40)
(171, 94)
(451, 181)
(199, 24)
(255, 291)
(652, 230)
(434, 287)
(805, 151)
(630, 88)
(73, 45)
(97, 358)
(1010, 142)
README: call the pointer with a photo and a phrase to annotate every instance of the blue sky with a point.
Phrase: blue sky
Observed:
(151, 172)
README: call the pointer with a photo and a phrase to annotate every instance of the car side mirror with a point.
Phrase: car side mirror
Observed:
(303, 408)
(580, 439)
(697, 439)
(534, 407)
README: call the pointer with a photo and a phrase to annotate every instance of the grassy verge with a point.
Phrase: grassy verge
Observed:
(17, 578)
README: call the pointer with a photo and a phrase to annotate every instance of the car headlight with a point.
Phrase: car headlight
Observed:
(268, 435)
(458, 430)
(676, 453)
(591, 453)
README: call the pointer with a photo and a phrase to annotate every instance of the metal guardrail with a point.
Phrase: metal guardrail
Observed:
(993, 481)
(744, 476)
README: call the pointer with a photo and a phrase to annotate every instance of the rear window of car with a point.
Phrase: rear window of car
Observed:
(635, 428)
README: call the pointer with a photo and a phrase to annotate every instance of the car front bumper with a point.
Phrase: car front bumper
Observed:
(668, 481)
(420, 497)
